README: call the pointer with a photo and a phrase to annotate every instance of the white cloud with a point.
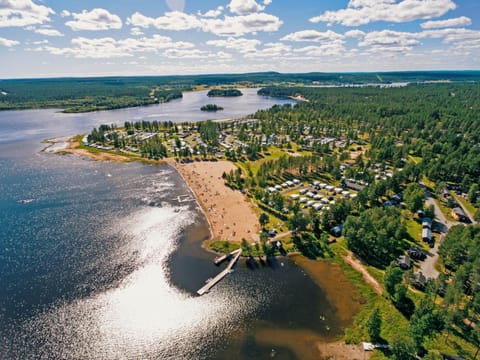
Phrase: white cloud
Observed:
(135, 31)
(174, 20)
(239, 44)
(313, 36)
(388, 40)
(228, 26)
(23, 13)
(108, 47)
(360, 12)
(97, 19)
(245, 7)
(40, 42)
(358, 34)
(7, 42)
(212, 13)
(271, 51)
(241, 25)
(459, 21)
(459, 38)
(195, 54)
(331, 49)
(65, 13)
(267, 2)
(48, 32)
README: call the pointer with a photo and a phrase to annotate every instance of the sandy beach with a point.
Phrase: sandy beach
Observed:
(231, 216)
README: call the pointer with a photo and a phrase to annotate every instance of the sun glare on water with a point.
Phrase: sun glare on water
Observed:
(145, 314)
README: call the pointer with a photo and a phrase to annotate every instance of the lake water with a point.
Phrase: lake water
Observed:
(99, 260)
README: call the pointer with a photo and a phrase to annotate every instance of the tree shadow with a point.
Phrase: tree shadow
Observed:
(406, 307)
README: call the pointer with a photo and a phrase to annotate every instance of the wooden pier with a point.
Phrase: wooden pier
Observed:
(234, 257)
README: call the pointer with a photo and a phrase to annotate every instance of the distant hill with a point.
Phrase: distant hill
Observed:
(103, 93)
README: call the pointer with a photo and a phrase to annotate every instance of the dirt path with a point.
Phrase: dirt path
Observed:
(427, 267)
(369, 279)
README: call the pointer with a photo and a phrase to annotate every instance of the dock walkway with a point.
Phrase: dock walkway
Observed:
(221, 275)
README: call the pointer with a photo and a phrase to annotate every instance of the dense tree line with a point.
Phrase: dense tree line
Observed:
(436, 122)
(224, 93)
(377, 235)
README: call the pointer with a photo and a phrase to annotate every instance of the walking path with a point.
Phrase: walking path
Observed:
(369, 279)
(427, 267)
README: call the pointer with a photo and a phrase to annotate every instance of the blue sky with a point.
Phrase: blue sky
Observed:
(50, 38)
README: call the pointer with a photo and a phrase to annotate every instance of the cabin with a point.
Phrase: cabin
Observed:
(352, 186)
(318, 206)
(404, 262)
(427, 235)
(459, 214)
(426, 223)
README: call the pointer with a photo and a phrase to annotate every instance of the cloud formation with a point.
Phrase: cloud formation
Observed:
(173, 20)
(7, 42)
(245, 7)
(226, 26)
(361, 12)
(212, 13)
(23, 13)
(96, 19)
(241, 25)
(108, 47)
(454, 22)
(48, 32)
(313, 36)
(239, 44)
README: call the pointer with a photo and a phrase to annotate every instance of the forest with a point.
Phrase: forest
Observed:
(435, 122)
(102, 93)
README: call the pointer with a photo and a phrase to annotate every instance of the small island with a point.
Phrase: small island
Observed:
(211, 107)
(224, 93)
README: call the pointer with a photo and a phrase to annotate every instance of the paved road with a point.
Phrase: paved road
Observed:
(427, 267)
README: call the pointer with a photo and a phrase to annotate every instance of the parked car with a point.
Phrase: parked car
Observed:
(416, 253)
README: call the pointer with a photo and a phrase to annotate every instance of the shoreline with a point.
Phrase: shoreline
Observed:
(204, 178)
(230, 216)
